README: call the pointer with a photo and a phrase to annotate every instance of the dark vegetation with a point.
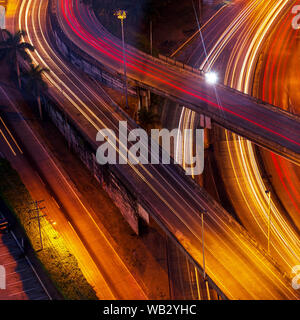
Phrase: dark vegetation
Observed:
(139, 16)
(14, 51)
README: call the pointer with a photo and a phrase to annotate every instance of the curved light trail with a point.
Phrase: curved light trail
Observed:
(239, 73)
(76, 19)
(233, 261)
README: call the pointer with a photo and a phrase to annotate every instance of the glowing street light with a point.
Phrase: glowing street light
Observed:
(122, 15)
(211, 77)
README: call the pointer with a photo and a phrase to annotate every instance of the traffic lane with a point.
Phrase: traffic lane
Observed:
(9, 140)
(222, 259)
(278, 81)
(131, 287)
(215, 30)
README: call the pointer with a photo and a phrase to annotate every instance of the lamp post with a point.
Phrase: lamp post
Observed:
(268, 193)
(200, 11)
(203, 251)
(122, 14)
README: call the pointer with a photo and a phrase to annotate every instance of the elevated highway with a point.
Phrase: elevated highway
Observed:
(235, 264)
(264, 124)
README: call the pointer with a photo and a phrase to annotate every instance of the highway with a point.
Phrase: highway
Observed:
(237, 160)
(250, 199)
(79, 225)
(279, 82)
(235, 111)
(233, 261)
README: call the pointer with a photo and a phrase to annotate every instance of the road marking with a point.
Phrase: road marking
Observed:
(11, 148)
(20, 292)
(11, 136)
(55, 202)
(198, 31)
(17, 282)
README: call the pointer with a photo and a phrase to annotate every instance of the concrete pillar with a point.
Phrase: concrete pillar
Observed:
(143, 98)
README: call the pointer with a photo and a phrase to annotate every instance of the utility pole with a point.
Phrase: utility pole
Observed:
(122, 14)
(37, 210)
(269, 218)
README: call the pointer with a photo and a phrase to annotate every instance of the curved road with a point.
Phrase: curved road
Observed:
(235, 111)
(233, 261)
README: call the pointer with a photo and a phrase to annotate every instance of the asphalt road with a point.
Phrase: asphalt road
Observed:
(74, 219)
(233, 261)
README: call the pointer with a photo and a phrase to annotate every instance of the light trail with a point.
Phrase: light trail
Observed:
(243, 159)
(108, 47)
(246, 162)
(173, 200)
(281, 229)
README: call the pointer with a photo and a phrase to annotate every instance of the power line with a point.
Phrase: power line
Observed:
(37, 209)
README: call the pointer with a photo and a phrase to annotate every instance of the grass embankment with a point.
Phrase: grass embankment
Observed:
(59, 263)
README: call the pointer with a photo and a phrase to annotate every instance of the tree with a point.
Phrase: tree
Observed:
(34, 83)
(13, 49)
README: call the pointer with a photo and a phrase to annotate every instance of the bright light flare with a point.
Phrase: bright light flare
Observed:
(211, 77)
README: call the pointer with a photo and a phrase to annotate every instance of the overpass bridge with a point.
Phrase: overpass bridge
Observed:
(263, 124)
(235, 264)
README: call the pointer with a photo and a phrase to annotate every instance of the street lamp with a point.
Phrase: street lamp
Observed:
(122, 14)
(268, 193)
(203, 252)
(211, 77)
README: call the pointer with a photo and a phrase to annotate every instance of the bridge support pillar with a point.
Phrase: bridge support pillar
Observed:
(144, 98)
(205, 122)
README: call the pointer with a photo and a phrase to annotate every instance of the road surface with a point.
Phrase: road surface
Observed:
(233, 261)
(79, 225)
